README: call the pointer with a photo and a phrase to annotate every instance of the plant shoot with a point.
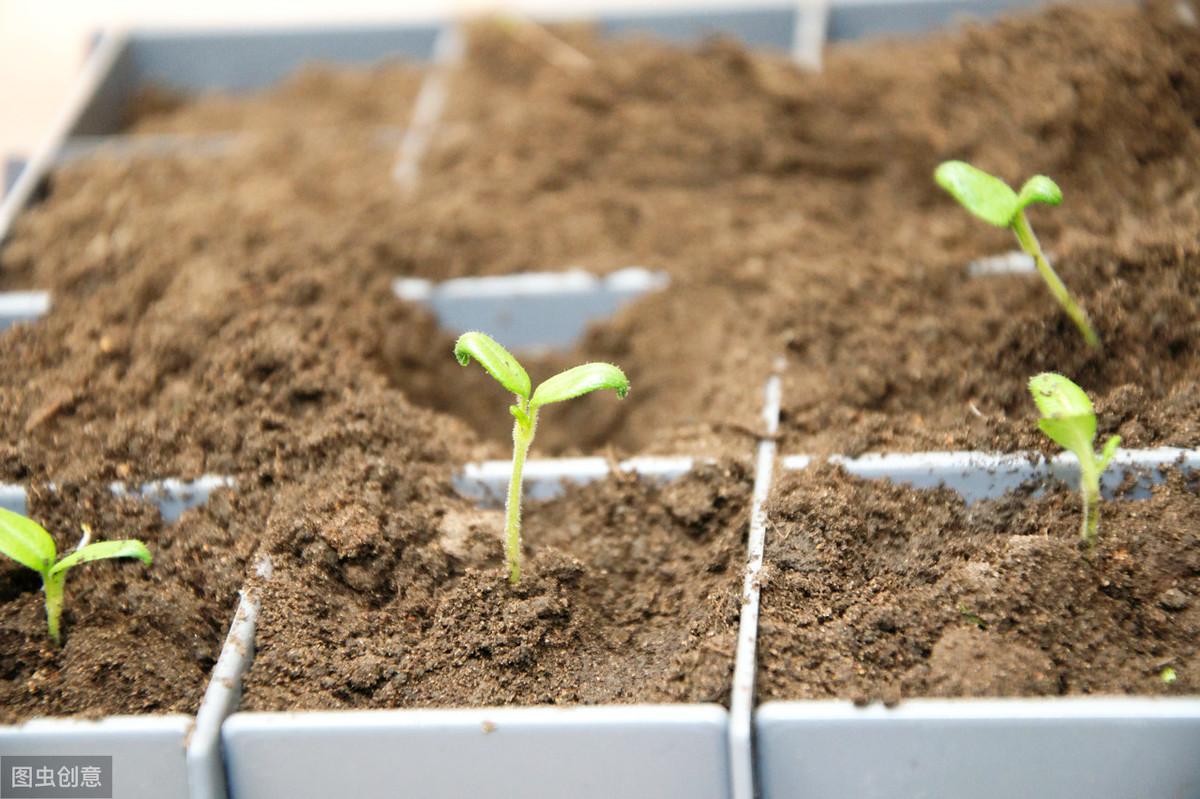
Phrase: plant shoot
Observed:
(1068, 419)
(994, 201)
(28, 543)
(508, 372)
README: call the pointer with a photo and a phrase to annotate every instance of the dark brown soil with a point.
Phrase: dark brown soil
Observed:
(892, 346)
(796, 215)
(235, 345)
(810, 198)
(962, 385)
(875, 591)
(194, 330)
(630, 594)
(317, 96)
(136, 638)
(233, 314)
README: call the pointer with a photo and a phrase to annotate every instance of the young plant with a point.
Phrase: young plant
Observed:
(994, 201)
(508, 372)
(28, 543)
(1068, 419)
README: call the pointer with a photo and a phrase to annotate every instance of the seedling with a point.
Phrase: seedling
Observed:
(508, 372)
(992, 200)
(28, 543)
(1068, 419)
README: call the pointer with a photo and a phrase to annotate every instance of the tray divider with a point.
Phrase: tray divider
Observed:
(741, 702)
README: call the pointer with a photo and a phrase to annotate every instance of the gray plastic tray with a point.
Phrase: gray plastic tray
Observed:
(537, 310)
(241, 59)
(149, 752)
(155, 756)
(634, 751)
(809, 749)
(981, 475)
(22, 306)
(745, 668)
(1093, 748)
(1077, 748)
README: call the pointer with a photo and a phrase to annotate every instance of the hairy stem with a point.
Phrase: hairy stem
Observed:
(522, 438)
(1030, 245)
(52, 585)
(1089, 487)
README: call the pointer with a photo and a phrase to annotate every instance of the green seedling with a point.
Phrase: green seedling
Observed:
(1068, 419)
(508, 372)
(971, 617)
(994, 201)
(28, 543)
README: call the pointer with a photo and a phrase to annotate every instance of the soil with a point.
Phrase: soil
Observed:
(893, 346)
(879, 592)
(136, 638)
(232, 313)
(810, 198)
(630, 593)
(316, 96)
(794, 212)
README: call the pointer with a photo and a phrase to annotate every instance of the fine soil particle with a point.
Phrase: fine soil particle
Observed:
(795, 213)
(810, 198)
(232, 314)
(194, 330)
(959, 385)
(316, 96)
(629, 594)
(895, 347)
(876, 591)
(242, 343)
(136, 638)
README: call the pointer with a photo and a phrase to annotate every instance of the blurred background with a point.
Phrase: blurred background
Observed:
(42, 43)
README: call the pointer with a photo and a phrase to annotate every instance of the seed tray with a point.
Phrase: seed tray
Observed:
(808, 748)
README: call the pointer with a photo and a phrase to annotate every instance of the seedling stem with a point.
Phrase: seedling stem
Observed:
(508, 372)
(1029, 243)
(28, 543)
(994, 201)
(1069, 420)
(523, 432)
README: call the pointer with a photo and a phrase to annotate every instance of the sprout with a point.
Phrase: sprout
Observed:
(1068, 419)
(28, 543)
(574, 382)
(994, 201)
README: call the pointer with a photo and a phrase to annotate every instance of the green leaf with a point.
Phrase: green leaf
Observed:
(1067, 415)
(986, 196)
(1039, 189)
(1110, 449)
(26, 541)
(1073, 433)
(102, 550)
(581, 380)
(1057, 397)
(498, 361)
